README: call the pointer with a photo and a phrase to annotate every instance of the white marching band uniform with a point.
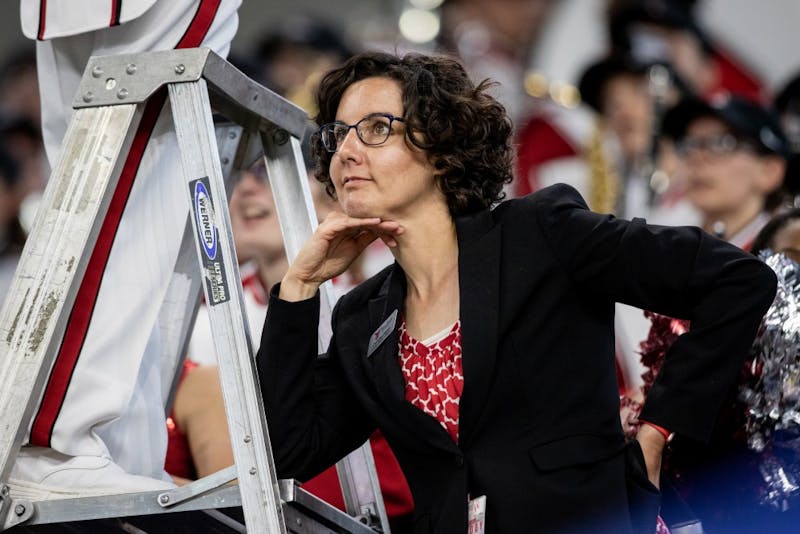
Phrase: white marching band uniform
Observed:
(100, 425)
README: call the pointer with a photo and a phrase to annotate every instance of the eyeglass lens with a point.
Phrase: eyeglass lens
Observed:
(717, 144)
(372, 130)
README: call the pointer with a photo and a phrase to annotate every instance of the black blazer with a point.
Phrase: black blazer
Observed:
(539, 430)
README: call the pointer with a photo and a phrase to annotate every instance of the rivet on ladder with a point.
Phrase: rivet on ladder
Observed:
(110, 84)
(97, 71)
(163, 499)
(131, 69)
(88, 97)
(247, 439)
(280, 136)
(231, 135)
(122, 94)
(180, 69)
(224, 161)
(253, 471)
(19, 509)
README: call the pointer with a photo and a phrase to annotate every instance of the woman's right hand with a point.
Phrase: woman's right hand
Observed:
(336, 243)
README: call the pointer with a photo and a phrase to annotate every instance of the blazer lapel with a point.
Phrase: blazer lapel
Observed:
(479, 289)
(422, 430)
(382, 359)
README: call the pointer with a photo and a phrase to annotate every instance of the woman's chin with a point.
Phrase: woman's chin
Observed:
(360, 210)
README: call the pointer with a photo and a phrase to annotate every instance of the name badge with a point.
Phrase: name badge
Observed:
(383, 331)
(477, 515)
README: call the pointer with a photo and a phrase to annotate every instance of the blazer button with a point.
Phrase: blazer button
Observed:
(459, 461)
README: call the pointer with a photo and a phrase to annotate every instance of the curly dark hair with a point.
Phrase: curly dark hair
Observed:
(464, 130)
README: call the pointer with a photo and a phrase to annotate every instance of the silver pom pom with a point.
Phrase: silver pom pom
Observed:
(773, 396)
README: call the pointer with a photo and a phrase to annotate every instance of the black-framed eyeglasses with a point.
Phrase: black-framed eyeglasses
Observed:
(717, 145)
(372, 130)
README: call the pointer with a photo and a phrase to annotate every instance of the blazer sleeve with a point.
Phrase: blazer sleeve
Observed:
(314, 419)
(677, 271)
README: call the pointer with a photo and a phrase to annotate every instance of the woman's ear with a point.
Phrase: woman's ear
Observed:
(773, 171)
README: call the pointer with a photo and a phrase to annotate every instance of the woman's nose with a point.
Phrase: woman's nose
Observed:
(350, 146)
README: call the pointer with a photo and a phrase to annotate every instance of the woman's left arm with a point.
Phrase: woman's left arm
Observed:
(314, 417)
(677, 271)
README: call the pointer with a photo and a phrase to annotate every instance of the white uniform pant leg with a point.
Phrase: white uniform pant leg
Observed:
(113, 405)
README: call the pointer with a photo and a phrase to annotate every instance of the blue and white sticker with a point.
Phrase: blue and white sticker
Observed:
(204, 212)
(213, 268)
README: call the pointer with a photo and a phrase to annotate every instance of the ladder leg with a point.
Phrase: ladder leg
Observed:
(53, 262)
(215, 250)
(293, 201)
(361, 487)
(177, 315)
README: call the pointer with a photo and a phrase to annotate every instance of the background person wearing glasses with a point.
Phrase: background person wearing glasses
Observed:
(734, 156)
(733, 152)
(485, 353)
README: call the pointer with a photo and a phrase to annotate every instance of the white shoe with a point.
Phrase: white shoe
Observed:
(44, 474)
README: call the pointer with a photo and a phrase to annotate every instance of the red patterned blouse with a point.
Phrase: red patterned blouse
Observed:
(433, 374)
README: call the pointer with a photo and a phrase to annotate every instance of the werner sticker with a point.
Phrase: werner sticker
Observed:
(208, 238)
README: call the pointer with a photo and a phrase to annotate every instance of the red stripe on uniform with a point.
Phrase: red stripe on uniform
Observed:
(80, 317)
(42, 17)
(82, 310)
(116, 8)
(201, 22)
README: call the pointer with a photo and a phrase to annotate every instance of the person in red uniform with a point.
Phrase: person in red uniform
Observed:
(648, 32)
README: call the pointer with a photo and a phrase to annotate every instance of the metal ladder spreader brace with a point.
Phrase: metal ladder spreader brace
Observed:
(109, 106)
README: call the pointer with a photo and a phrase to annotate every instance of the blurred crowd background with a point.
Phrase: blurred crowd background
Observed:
(680, 111)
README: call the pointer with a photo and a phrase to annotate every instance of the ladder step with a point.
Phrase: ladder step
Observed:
(216, 511)
(225, 521)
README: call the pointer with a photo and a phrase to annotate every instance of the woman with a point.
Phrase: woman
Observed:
(485, 354)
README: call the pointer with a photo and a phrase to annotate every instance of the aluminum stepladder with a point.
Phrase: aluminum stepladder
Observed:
(109, 106)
